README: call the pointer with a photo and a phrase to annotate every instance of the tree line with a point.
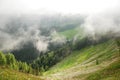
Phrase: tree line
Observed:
(8, 60)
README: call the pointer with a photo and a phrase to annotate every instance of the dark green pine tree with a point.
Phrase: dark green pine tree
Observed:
(2, 59)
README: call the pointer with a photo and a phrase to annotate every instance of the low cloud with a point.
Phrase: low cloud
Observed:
(16, 31)
(103, 23)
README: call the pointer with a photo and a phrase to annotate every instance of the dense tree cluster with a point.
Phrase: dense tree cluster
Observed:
(39, 65)
(48, 59)
(2, 59)
(8, 60)
(27, 53)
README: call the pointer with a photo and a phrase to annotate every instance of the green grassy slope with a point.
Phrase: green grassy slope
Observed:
(69, 34)
(112, 72)
(8, 74)
(86, 62)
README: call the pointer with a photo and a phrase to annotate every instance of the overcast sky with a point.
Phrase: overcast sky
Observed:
(56, 6)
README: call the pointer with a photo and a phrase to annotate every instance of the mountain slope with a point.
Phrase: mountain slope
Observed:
(85, 63)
